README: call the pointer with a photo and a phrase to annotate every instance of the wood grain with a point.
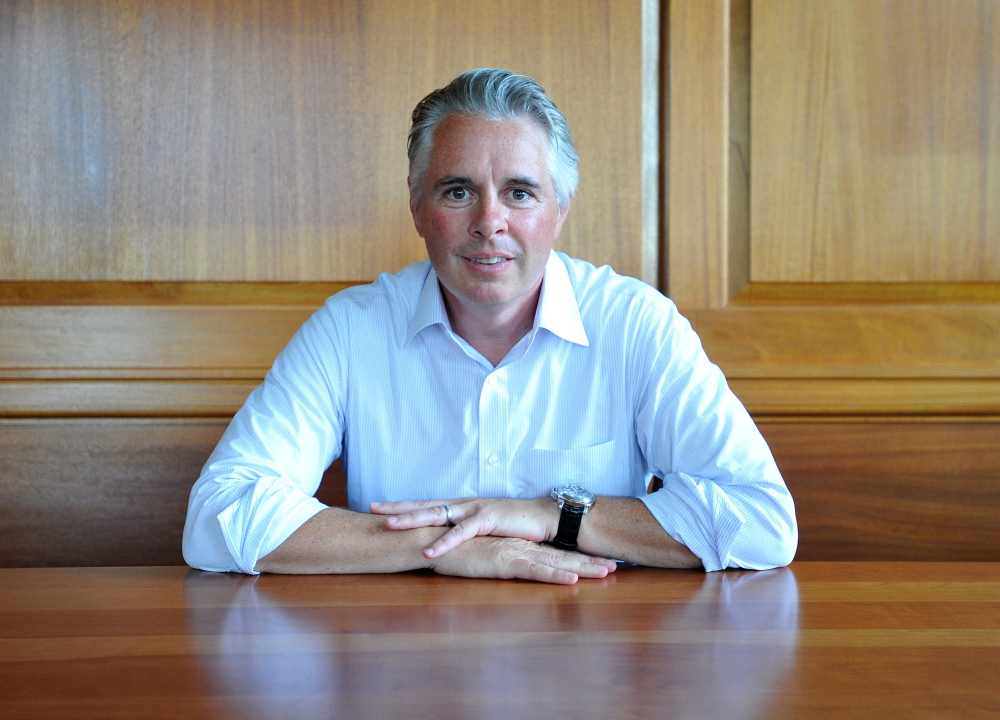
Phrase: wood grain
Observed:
(872, 346)
(853, 340)
(892, 491)
(814, 640)
(809, 294)
(697, 191)
(167, 293)
(146, 337)
(876, 141)
(104, 492)
(265, 141)
(846, 397)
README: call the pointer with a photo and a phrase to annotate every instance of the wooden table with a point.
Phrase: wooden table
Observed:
(836, 640)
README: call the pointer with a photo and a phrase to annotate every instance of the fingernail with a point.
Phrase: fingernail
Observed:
(429, 552)
(393, 519)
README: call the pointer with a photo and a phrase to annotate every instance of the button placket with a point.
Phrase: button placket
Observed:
(493, 411)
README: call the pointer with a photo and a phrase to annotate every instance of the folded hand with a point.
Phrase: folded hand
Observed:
(516, 558)
(536, 520)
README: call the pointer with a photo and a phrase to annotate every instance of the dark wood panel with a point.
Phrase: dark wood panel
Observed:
(101, 493)
(892, 491)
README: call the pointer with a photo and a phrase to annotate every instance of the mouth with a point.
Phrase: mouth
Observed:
(487, 264)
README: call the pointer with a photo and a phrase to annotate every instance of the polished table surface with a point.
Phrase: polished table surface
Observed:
(832, 640)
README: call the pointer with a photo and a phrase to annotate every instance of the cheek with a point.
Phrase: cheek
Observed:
(537, 230)
(442, 228)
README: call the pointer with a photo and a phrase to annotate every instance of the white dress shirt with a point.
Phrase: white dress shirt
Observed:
(609, 387)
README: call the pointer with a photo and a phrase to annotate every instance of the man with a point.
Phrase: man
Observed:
(492, 373)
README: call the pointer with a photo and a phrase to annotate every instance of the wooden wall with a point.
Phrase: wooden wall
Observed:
(816, 183)
(182, 182)
(834, 195)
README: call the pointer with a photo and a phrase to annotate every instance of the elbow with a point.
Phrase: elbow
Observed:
(203, 544)
(784, 550)
(768, 543)
(192, 549)
(785, 540)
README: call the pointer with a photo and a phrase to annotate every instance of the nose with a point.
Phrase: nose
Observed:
(490, 218)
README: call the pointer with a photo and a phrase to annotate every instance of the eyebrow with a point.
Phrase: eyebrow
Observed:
(453, 180)
(524, 181)
(449, 180)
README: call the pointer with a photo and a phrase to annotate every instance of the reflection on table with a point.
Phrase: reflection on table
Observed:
(721, 646)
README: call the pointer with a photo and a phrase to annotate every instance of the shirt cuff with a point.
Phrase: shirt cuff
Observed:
(261, 520)
(699, 515)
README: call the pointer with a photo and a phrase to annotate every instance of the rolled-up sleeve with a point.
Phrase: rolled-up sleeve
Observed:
(257, 487)
(722, 496)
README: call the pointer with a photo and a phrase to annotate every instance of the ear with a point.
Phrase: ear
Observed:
(415, 211)
(563, 213)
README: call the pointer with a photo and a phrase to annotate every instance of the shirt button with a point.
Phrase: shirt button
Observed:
(492, 380)
(492, 459)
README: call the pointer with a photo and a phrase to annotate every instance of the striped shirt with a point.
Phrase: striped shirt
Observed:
(609, 388)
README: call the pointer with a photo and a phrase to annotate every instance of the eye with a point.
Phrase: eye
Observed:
(457, 193)
(520, 195)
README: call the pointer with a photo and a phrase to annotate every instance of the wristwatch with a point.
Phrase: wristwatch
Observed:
(575, 501)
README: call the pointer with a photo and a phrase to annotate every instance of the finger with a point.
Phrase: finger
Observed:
(582, 565)
(610, 565)
(428, 517)
(456, 536)
(403, 506)
(526, 569)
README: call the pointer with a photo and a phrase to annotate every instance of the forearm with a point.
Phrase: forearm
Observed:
(337, 540)
(623, 528)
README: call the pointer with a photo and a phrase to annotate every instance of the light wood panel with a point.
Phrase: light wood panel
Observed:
(261, 141)
(105, 492)
(204, 339)
(310, 294)
(870, 347)
(892, 491)
(876, 141)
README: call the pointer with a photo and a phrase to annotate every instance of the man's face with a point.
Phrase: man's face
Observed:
(488, 213)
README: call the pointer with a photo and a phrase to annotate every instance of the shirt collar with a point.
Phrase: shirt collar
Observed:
(430, 307)
(558, 310)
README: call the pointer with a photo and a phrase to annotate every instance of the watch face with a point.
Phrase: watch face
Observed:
(574, 495)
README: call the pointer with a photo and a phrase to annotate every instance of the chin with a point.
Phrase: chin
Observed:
(488, 298)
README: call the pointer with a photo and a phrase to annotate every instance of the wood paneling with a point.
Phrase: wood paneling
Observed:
(164, 337)
(311, 294)
(216, 140)
(697, 191)
(871, 347)
(101, 492)
(853, 341)
(876, 141)
(892, 491)
(105, 492)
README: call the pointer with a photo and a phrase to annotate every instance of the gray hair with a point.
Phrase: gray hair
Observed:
(493, 94)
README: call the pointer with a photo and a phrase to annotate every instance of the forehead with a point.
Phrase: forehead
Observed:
(464, 144)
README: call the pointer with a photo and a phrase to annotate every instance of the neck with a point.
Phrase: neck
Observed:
(492, 330)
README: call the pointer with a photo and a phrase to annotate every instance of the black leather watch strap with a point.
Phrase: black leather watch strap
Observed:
(569, 527)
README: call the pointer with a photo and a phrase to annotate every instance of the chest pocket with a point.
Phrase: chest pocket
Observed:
(597, 467)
